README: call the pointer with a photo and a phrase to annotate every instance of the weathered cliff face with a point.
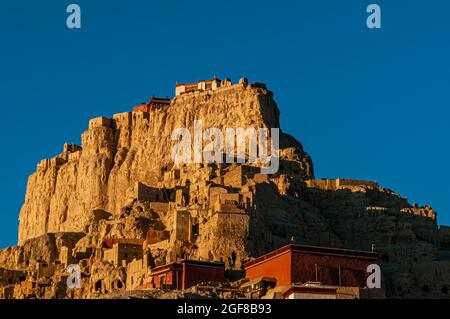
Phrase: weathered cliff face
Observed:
(63, 192)
(122, 184)
(44, 248)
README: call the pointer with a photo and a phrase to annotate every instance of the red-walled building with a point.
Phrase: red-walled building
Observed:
(197, 271)
(185, 274)
(168, 276)
(154, 104)
(293, 264)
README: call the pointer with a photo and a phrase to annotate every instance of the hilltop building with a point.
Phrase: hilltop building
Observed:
(155, 103)
(202, 85)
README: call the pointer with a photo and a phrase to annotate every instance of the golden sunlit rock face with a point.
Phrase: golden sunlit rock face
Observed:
(119, 208)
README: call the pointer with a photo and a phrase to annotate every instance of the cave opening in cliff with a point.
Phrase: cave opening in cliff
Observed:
(118, 284)
(98, 286)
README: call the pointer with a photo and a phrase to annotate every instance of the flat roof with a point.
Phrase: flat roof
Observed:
(194, 83)
(314, 249)
(164, 268)
(203, 263)
(320, 290)
(159, 100)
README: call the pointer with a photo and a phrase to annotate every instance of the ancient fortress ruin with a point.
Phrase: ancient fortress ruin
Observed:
(133, 221)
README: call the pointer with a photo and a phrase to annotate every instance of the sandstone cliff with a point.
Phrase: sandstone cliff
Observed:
(122, 186)
(134, 147)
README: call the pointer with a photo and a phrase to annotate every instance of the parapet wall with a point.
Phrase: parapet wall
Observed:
(47, 163)
(119, 120)
(333, 184)
(351, 182)
(100, 122)
(122, 119)
(71, 148)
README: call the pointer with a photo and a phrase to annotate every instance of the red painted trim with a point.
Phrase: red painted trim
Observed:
(316, 250)
(215, 264)
(159, 100)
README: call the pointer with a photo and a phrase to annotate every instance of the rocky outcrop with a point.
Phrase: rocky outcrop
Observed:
(116, 153)
(121, 187)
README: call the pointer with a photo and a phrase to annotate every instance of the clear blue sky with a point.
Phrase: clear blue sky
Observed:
(366, 104)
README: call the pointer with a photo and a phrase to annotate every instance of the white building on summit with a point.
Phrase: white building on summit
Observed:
(201, 85)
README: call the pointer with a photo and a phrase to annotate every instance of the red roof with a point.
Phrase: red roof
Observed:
(159, 100)
(314, 249)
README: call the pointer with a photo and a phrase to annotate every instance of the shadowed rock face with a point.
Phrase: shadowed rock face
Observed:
(123, 185)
